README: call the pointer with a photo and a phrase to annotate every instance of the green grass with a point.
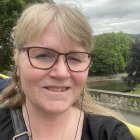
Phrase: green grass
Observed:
(137, 90)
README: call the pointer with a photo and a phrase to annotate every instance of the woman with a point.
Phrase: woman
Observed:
(52, 58)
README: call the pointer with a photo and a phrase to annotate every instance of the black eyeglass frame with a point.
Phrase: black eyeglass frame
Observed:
(27, 49)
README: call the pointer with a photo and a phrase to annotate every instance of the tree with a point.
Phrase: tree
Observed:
(133, 67)
(9, 12)
(107, 61)
(110, 53)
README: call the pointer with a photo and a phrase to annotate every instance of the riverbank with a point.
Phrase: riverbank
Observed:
(107, 77)
(112, 82)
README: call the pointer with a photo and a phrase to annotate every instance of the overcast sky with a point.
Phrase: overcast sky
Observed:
(111, 15)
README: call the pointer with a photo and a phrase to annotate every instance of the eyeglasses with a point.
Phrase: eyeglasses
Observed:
(44, 58)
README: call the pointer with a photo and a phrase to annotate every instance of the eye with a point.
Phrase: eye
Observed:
(42, 56)
(73, 60)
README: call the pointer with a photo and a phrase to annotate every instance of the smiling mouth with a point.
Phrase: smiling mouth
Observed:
(57, 89)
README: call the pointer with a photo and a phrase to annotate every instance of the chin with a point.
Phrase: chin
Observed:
(57, 108)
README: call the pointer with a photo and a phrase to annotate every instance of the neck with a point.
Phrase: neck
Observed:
(38, 123)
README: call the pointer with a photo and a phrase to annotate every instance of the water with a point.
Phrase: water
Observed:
(111, 85)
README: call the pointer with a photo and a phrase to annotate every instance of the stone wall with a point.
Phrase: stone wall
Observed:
(117, 100)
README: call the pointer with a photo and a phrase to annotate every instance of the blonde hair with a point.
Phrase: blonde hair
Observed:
(71, 24)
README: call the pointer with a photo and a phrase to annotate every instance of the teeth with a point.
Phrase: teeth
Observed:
(56, 89)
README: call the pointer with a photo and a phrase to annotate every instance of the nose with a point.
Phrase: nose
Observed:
(60, 70)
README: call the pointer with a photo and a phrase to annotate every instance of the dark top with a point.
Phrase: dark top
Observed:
(95, 127)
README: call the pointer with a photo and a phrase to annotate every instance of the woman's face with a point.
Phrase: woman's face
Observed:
(56, 89)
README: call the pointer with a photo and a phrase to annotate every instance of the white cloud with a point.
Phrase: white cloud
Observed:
(111, 15)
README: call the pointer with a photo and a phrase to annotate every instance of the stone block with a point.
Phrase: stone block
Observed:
(104, 98)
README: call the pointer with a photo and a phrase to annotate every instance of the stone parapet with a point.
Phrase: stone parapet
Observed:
(117, 100)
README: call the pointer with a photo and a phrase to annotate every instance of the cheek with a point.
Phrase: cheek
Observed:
(79, 79)
(31, 80)
(29, 74)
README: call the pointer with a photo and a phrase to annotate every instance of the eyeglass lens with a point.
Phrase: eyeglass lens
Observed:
(44, 58)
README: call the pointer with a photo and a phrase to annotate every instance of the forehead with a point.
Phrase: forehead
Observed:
(50, 38)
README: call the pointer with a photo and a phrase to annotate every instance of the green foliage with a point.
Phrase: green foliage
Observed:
(10, 10)
(133, 67)
(137, 90)
(111, 53)
(103, 63)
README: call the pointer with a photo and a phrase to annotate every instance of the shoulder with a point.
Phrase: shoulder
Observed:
(6, 127)
(105, 127)
(101, 122)
(100, 119)
(4, 115)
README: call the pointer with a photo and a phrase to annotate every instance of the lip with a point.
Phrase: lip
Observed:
(57, 89)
